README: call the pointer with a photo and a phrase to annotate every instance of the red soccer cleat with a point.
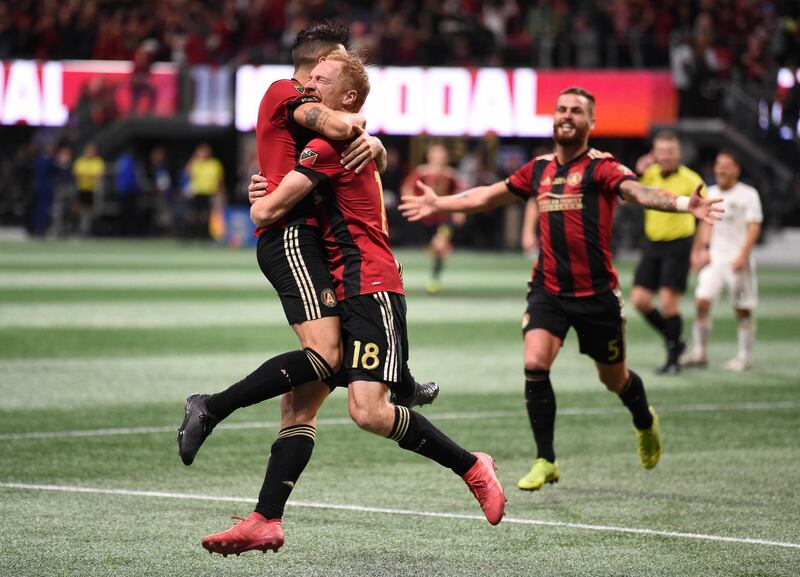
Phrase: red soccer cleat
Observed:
(252, 532)
(482, 481)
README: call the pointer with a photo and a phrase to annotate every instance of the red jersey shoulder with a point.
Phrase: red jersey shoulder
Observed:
(519, 182)
(609, 170)
(283, 90)
(319, 154)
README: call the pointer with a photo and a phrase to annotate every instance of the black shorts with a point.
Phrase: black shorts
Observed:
(201, 202)
(664, 264)
(432, 230)
(375, 338)
(293, 260)
(597, 319)
(85, 198)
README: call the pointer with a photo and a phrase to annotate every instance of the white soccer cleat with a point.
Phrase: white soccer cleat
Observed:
(737, 365)
(694, 360)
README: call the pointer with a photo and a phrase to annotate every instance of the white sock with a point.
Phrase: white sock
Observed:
(745, 335)
(700, 334)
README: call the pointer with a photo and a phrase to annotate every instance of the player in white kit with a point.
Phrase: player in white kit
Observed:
(723, 255)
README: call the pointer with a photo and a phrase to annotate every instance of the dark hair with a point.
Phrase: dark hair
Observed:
(581, 92)
(317, 40)
(730, 154)
(666, 135)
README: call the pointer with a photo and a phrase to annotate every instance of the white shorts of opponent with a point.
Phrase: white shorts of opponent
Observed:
(741, 286)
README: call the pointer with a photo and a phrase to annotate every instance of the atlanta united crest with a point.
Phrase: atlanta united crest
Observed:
(308, 156)
(328, 298)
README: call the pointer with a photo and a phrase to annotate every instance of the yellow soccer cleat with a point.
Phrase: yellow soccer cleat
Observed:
(649, 443)
(543, 471)
(433, 287)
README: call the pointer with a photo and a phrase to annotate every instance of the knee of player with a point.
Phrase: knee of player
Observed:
(363, 417)
(330, 352)
(536, 362)
(367, 417)
(702, 307)
(641, 302)
(614, 382)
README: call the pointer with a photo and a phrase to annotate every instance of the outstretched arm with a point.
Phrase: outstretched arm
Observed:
(267, 209)
(704, 209)
(476, 199)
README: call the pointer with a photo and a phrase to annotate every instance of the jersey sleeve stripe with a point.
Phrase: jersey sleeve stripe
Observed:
(514, 190)
(617, 190)
(310, 172)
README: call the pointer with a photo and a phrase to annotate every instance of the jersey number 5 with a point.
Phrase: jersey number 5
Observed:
(614, 351)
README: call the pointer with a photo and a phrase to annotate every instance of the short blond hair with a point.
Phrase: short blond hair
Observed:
(354, 76)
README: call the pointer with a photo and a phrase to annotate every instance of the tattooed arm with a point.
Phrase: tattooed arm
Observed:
(705, 209)
(335, 125)
(649, 197)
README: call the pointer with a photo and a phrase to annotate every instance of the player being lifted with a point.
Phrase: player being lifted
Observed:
(574, 281)
(724, 257)
(291, 256)
(369, 287)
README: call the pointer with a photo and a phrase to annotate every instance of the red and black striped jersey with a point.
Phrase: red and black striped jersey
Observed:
(352, 219)
(279, 140)
(576, 211)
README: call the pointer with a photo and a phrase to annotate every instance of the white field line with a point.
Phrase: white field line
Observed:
(404, 512)
(452, 416)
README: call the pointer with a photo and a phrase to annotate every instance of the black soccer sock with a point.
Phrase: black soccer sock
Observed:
(634, 397)
(438, 265)
(540, 400)
(276, 376)
(414, 432)
(408, 384)
(673, 327)
(657, 321)
(288, 457)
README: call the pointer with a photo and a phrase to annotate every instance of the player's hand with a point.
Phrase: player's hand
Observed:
(257, 188)
(528, 241)
(645, 162)
(415, 207)
(699, 259)
(458, 218)
(739, 263)
(705, 209)
(359, 152)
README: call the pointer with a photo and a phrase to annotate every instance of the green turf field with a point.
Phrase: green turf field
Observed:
(101, 342)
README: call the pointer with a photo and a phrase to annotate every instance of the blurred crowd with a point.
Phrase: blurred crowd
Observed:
(746, 37)
(135, 193)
